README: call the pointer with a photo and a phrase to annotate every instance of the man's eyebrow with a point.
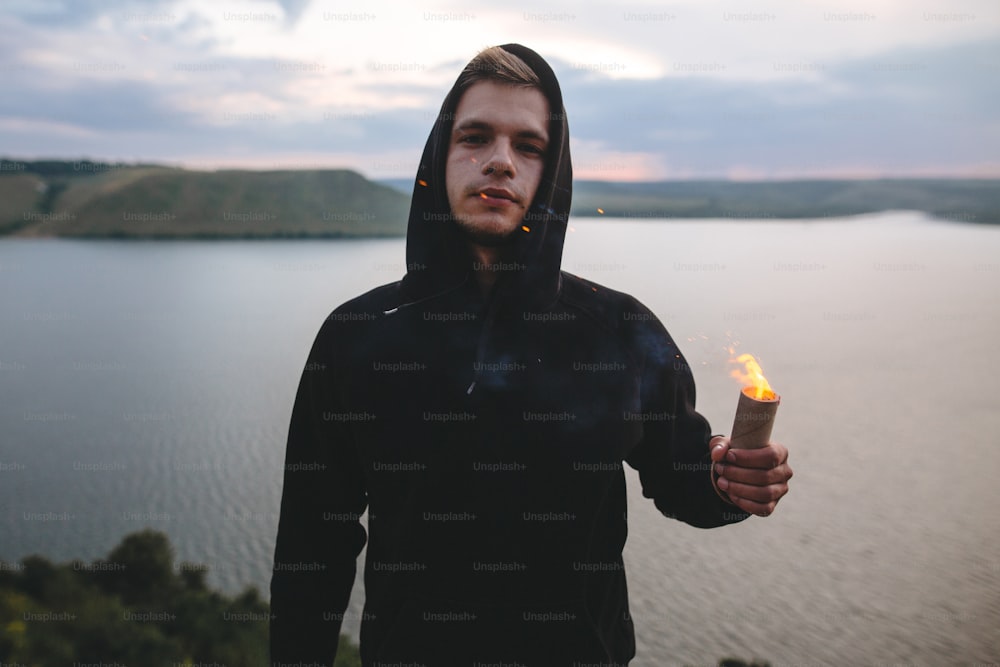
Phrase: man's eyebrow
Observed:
(473, 124)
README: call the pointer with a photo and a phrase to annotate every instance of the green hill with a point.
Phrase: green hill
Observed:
(148, 201)
(960, 199)
(963, 200)
(94, 199)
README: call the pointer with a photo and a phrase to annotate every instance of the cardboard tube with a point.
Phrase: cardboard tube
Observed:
(754, 419)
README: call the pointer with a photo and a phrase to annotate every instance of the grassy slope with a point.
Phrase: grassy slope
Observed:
(162, 202)
(19, 195)
(148, 201)
(963, 200)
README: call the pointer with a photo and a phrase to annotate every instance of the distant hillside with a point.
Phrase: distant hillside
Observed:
(961, 200)
(86, 199)
(94, 199)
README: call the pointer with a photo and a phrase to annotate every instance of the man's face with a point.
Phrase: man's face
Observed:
(495, 157)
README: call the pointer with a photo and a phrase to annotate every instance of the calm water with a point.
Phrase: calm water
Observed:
(150, 384)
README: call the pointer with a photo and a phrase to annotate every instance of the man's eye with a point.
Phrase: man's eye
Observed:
(472, 139)
(531, 148)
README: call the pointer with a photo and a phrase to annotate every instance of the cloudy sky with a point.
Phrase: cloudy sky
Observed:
(654, 90)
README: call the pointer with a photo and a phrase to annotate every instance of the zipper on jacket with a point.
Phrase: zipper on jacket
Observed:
(491, 312)
(491, 309)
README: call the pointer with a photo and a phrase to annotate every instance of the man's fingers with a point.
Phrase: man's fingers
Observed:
(759, 509)
(760, 494)
(754, 479)
(766, 457)
(755, 476)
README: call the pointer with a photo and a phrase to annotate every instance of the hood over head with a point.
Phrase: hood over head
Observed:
(437, 255)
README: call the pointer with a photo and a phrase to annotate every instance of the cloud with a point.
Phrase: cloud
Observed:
(76, 13)
(907, 111)
(690, 93)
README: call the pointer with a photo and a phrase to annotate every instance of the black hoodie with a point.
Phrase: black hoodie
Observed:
(485, 437)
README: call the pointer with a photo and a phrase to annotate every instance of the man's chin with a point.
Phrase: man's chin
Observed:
(490, 240)
(488, 235)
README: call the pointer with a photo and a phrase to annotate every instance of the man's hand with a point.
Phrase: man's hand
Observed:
(753, 479)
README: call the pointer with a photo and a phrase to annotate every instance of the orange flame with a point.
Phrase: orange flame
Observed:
(526, 228)
(751, 375)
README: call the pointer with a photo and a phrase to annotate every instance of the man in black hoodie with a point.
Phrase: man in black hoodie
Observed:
(481, 409)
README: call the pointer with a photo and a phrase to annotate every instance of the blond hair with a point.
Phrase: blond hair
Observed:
(495, 64)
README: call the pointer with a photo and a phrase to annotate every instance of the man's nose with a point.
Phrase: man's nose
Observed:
(500, 160)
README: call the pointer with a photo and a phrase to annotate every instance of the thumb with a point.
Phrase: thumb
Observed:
(718, 445)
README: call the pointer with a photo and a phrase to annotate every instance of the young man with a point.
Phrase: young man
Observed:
(481, 409)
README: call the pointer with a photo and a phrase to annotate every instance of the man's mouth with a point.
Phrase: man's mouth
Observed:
(497, 196)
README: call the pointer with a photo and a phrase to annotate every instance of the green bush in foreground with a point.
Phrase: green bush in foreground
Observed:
(137, 609)
(134, 608)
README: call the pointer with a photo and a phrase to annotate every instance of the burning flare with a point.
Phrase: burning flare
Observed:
(752, 377)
